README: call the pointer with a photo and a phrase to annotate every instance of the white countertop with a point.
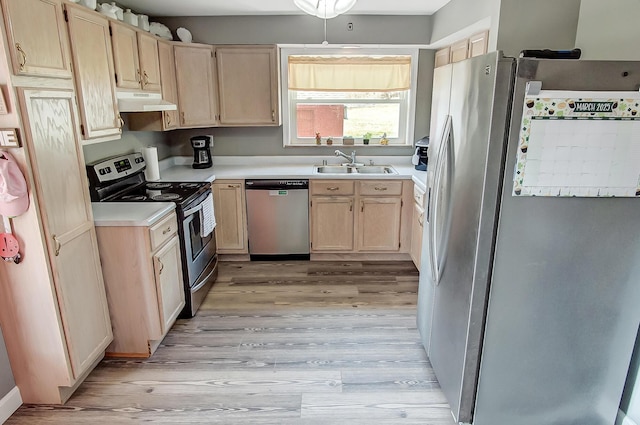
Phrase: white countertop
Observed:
(278, 167)
(130, 213)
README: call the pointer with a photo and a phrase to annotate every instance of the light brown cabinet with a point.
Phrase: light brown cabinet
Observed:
(55, 315)
(195, 78)
(459, 51)
(248, 85)
(417, 224)
(143, 277)
(231, 230)
(135, 57)
(332, 223)
(94, 72)
(357, 216)
(379, 217)
(167, 61)
(37, 38)
(478, 44)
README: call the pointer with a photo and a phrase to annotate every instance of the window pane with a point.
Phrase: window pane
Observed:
(351, 119)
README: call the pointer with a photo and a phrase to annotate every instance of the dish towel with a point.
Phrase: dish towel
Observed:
(207, 217)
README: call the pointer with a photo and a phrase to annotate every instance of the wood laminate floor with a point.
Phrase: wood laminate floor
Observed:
(279, 343)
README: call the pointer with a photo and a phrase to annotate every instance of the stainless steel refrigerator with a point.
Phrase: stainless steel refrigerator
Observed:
(528, 305)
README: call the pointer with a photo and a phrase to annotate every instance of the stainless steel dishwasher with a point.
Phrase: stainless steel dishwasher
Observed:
(278, 219)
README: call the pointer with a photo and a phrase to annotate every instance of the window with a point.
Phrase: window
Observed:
(336, 94)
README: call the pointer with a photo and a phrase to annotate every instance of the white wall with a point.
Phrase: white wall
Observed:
(609, 29)
(539, 24)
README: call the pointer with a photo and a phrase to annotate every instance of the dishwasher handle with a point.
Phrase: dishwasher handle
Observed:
(272, 184)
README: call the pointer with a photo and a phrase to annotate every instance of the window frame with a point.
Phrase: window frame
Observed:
(407, 113)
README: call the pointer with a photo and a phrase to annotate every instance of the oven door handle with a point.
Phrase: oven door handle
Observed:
(192, 211)
(204, 281)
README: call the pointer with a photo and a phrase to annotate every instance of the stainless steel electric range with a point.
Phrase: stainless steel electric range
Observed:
(121, 179)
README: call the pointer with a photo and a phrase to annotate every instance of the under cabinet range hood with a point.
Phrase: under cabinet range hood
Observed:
(143, 102)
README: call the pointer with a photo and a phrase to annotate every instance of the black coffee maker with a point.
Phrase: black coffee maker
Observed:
(420, 156)
(202, 151)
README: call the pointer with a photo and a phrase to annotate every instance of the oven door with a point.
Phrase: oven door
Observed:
(199, 251)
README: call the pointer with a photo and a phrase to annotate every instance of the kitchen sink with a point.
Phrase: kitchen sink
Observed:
(333, 169)
(359, 169)
(376, 169)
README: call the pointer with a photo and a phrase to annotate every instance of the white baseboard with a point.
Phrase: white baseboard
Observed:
(10, 404)
(623, 419)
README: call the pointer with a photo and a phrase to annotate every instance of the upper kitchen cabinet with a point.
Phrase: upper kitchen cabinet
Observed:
(37, 38)
(248, 85)
(135, 57)
(161, 120)
(94, 71)
(196, 85)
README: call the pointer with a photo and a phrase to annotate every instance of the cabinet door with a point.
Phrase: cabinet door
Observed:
(443, 57)
(460, 51)
(331, 223)
(149, 62)
(229, 201)
(166, 264)
(416, 234)
(379, 224)
(168, 83)
(125, 56)
(248, 85)
(61, 188)
(478, 44)
(37, 38)
(93, 66)
(196, 86)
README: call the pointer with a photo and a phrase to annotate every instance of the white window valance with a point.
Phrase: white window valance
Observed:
(350, 73)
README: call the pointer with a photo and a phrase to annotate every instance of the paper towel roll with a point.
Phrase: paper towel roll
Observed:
(150, 155)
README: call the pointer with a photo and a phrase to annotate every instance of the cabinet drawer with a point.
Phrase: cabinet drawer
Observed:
(377, 187)
(162, 231)
(418, 195)
(332, 187)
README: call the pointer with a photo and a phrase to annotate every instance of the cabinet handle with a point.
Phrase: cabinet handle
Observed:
(233, 186)
(361, 206)
(145, 79)
(332, 188)
(161, 266)
(380, 188)
(23, 56)
(138, 79)
(57, 245)
(273, 115)
(167, 230)
(183, 121)
(350, 206)
(120, 122)
(168, 115)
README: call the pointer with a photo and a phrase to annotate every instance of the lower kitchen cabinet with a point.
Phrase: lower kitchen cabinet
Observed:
(331, 222)
(362, 216)
(231, 217)
(379, 224)
(417, 223)
(143, 277)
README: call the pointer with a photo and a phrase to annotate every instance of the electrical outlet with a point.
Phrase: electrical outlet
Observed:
(350, 26)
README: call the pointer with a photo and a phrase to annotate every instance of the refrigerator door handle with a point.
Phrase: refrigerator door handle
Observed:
(448, 161)
(433, 207)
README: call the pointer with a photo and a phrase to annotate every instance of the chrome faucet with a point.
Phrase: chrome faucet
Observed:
(351, 158)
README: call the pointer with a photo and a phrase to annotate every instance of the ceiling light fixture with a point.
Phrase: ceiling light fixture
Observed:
(325, 9)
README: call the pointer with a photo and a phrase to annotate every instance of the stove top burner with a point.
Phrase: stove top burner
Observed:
(166, 197)
(158, 185)
(133, 198)
(179, 192)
